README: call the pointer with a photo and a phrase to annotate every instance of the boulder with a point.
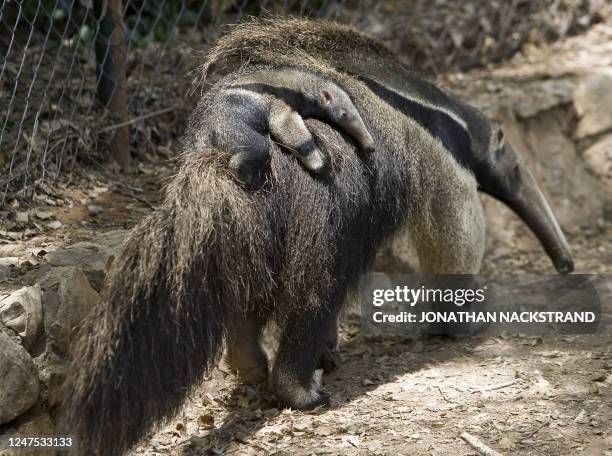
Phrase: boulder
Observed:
(67, 298)
(9, 261)
(593, 103)
(94, 210)
(598, 158)
(19, 385)
(91, 257)
(88, 255)
(22, 312)
(22, 217)
(5, 272)
(34, 423)
(52, 369)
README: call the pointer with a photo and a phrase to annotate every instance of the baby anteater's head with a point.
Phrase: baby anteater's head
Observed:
(340, 110)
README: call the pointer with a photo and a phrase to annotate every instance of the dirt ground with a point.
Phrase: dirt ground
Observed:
(391, 396)
(397, 396)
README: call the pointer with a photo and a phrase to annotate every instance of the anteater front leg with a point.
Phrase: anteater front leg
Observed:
(245, 355)
(301, 345)
(288, 129)
(330, 357)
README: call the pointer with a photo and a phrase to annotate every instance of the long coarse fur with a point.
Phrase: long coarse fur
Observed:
(282, 40)
(329, 47)
(209, 254)
(465, 133)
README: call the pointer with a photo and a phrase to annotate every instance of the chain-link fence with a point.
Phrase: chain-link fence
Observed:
(92, 78)
(81, 78)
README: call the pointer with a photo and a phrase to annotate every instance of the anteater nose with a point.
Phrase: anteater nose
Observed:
(565, 265)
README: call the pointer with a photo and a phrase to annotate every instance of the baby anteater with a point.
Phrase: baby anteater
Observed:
(273, 101)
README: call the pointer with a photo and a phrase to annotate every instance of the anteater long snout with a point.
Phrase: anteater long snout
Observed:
(360, 133)
(533, 208)
(529, 203)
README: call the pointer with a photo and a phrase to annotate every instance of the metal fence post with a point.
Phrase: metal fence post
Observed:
(110, 66)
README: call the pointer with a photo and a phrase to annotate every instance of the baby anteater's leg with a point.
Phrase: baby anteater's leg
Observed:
(288, 129)
(250, 154)
(245, 355)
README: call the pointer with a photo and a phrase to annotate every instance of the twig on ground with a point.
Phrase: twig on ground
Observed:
(500, 386)
(128, 186)
(480, 447)
(136, 197)
(444, 396)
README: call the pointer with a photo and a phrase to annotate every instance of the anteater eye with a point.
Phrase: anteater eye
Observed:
(500, 134)
(343, 115)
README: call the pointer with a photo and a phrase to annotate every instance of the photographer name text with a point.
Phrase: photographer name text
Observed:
(484, 317)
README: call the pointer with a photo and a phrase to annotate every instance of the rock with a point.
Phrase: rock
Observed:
(597, 447)
(112, 240)
(94, 210)
(598, 158)
(43, 215)
(35, 423)
(9, 261)
(67, 298)
(37, 426)
(5, 271)
(91, 257)
(593, 102)
(52, 369)
(22, 217)
(582, 417)
(87, 255)
(22, 312)
(529, 99)
(417, 347)
(18, 380)
(8, 250)
(54, 225)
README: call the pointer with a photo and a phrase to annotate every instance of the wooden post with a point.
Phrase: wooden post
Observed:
(110, 66)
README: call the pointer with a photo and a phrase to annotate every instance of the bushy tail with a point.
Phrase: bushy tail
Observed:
(183, 275)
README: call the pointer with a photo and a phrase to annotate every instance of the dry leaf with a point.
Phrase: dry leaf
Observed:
(206, 421)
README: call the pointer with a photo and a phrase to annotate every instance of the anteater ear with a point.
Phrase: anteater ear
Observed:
(326, 97)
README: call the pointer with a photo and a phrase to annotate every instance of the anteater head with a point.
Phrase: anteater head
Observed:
(502, 173)
(340, 111)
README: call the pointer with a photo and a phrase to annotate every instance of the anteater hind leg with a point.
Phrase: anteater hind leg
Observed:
(288, 129)
(245, 355)
(301, 344)
(250, 152)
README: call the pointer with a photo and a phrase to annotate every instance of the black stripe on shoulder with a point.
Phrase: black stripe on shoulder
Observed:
(439, 124)
(292, 97)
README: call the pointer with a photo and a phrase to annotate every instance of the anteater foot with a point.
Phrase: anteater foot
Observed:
(330, 359)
